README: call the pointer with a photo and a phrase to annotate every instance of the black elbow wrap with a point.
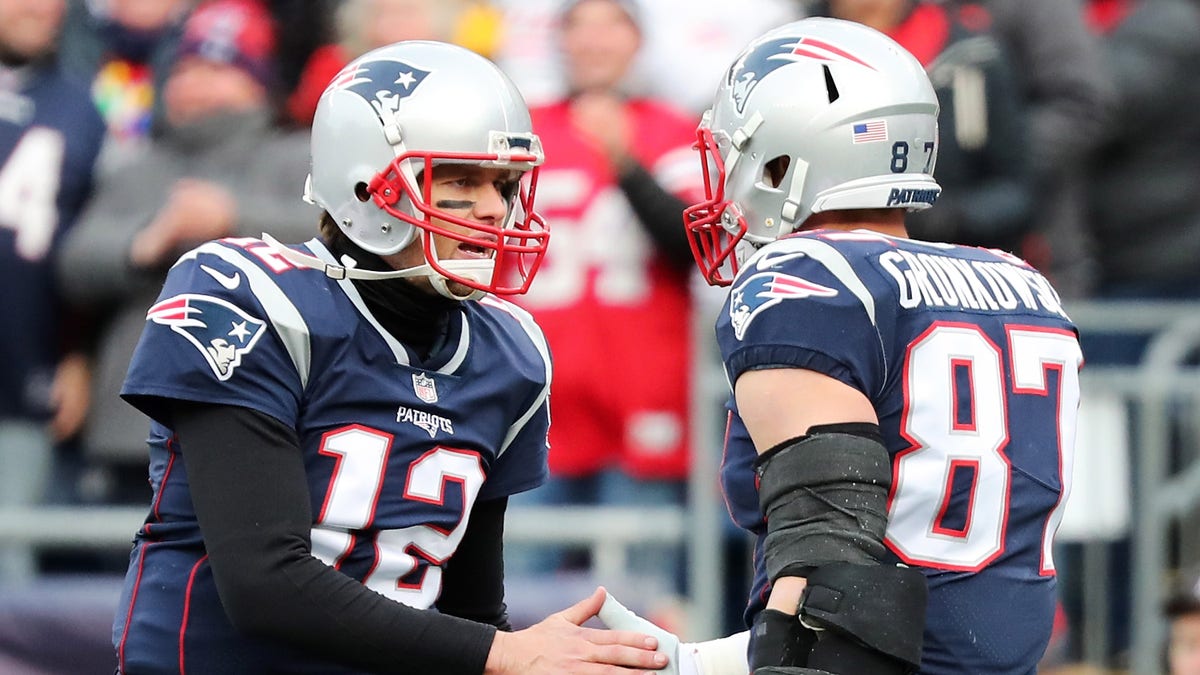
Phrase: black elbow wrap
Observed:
(824, 496)
(872, 618)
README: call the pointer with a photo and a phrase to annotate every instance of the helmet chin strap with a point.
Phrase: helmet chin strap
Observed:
(479, 271)
(746, 248)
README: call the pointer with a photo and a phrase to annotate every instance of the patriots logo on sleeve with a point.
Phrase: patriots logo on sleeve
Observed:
(765, 289)
(222, 332)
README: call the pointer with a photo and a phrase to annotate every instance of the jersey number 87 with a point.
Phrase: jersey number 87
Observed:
(944, 440)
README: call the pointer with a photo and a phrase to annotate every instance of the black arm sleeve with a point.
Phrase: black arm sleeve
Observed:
(250, 492)
(473, 580)
(660, 212)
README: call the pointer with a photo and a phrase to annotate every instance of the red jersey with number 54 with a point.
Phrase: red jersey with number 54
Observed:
(972, 367)
(615, 313)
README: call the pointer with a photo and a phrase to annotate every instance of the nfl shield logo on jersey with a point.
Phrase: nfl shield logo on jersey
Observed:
(425, 388)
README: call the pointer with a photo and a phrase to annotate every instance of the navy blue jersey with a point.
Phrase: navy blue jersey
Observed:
(972, 368)
(397, 450)
(50, 135)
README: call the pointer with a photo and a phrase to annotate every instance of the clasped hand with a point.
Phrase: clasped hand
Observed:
(560, 644)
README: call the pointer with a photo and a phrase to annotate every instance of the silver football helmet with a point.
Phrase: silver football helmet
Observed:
(392, 115)
(816, 115)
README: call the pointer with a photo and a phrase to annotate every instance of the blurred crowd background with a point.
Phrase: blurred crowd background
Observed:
(131, 130)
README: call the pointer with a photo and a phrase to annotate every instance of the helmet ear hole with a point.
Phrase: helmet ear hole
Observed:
(775, 169)
(360, 191)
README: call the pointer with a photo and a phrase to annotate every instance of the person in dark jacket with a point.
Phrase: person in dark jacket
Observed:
(1145, 196)
(1066, 89)
(981, 163)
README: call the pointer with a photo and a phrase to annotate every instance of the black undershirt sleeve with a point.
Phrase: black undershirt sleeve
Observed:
(250, 493)
(660, 212)
(473, 580)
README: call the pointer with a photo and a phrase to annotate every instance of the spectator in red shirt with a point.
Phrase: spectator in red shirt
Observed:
(613, 294)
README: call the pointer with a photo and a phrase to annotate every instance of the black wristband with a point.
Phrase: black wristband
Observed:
(779, 639)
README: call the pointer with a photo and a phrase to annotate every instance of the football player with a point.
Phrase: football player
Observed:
(902, 418)
(903, 413)
(337, 425)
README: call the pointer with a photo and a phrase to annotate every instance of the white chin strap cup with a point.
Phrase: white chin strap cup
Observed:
(469, 269)
(479, 271)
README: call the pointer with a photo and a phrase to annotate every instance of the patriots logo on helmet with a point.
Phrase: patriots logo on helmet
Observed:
(764, 290)
(221, 332)
(382, 83)
(771, 55)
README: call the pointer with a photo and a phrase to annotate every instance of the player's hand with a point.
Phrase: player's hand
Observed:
(723, 656)
(616, 616)
(561, 645)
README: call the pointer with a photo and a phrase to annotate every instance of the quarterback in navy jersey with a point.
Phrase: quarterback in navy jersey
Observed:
(337, 425)
(903, 413)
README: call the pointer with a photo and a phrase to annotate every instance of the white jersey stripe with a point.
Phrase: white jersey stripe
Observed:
(539, 342)
(464, 345)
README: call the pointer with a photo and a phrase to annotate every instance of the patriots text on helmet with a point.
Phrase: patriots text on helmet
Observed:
(902, 196)
(940, 281)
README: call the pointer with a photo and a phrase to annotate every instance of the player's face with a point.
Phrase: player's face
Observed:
(28, 27)
(1185, 645)
(470, 192)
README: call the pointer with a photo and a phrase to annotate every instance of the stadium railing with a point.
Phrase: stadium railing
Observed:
(1161, 397)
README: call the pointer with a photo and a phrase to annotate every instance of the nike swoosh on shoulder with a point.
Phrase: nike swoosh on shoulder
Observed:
(229, 282)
